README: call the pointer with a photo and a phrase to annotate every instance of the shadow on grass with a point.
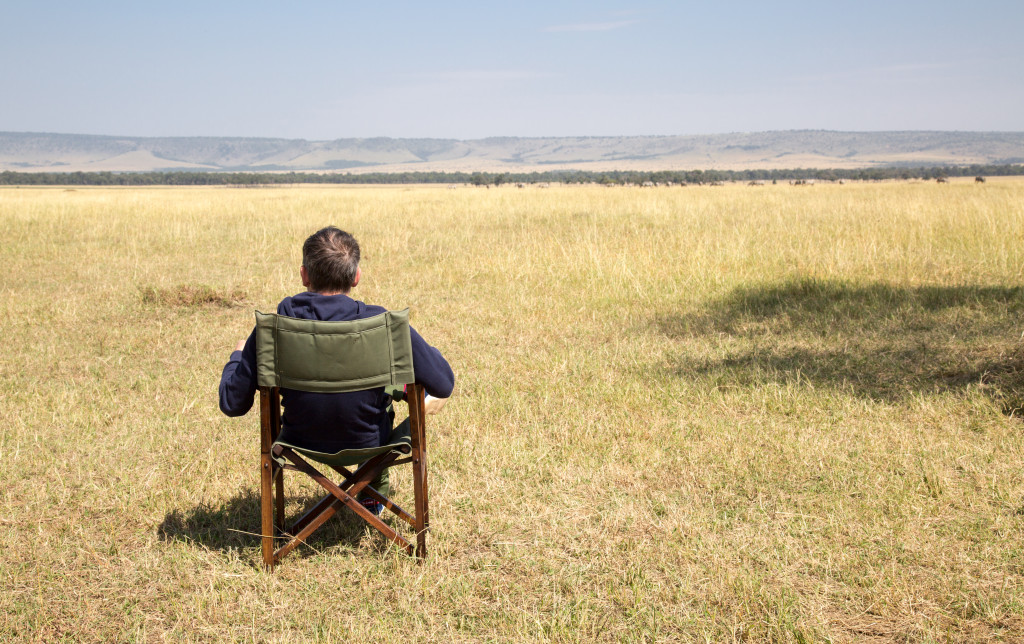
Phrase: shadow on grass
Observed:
(877, 340)
(235, 524)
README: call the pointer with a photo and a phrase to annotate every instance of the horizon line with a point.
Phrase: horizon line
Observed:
(505, 136)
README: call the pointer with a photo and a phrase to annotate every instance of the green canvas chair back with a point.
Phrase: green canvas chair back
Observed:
(333, 357)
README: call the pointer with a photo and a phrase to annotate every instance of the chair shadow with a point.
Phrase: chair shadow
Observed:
(879, 340)
(235, 525)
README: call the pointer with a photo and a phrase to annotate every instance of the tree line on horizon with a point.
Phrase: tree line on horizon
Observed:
(613, 177)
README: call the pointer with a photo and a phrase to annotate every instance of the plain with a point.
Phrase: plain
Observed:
(769, 413)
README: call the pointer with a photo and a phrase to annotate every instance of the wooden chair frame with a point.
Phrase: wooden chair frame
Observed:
(339, 494)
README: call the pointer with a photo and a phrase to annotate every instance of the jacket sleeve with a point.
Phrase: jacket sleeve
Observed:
(431, 369)
(238, 382)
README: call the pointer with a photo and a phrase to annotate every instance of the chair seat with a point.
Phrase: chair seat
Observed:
(401, 441)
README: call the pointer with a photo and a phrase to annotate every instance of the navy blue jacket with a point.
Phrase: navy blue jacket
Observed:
(331, 422)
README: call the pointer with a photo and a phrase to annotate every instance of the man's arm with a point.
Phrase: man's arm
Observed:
(431, 369)
(238, 382)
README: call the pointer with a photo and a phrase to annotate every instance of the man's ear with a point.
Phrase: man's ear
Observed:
(359, 274)
(304, 275)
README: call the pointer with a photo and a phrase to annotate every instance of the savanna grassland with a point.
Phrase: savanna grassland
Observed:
(713, 414)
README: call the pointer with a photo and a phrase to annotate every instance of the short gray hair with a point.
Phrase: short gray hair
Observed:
(331, 258)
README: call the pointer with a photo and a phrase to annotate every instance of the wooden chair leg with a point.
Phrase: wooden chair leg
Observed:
(275, 429)
(279, 497)
(421, 522)
(419, 468)
(267, 510)
(270, 421)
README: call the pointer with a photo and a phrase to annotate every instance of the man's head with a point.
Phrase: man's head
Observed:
(330, 261)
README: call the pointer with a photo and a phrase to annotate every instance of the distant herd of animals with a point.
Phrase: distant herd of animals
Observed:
(757, 182)
(794, 182)
(978, 179)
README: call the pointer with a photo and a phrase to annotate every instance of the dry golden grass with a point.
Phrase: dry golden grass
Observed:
(701, 414)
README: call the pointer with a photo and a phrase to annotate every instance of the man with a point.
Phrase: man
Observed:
(331, 422)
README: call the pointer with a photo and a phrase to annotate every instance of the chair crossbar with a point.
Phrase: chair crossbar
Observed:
(341, 495)
(389, 504)
(350, 479)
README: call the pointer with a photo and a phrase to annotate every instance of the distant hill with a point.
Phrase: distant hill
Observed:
(39, 152)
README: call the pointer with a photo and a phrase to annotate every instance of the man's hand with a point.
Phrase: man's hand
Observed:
(240, 345)
(433, 405)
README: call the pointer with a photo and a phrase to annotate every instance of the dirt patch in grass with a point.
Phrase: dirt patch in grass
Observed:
(189, 295)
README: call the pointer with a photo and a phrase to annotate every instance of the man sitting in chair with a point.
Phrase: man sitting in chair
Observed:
(332, 422)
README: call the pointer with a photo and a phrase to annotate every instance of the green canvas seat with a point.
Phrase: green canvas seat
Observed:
(401, 441)
(336, 357)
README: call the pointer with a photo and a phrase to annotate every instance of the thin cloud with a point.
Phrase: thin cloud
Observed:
(912, 67)
(593, 26)
(485, 75)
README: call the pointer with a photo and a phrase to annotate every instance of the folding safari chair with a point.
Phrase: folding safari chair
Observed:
(332, 357)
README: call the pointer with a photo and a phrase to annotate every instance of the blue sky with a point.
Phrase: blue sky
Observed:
(320, 69)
